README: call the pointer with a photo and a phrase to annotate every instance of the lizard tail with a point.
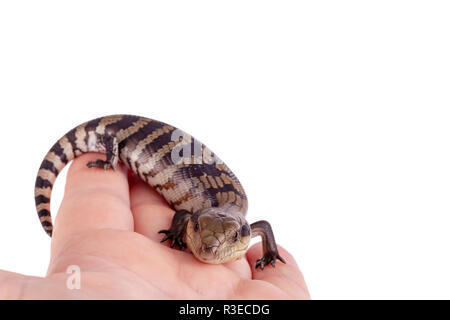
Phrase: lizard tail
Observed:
(55, 160)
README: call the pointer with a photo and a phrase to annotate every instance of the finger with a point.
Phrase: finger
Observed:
(151, 212)
(287, 277)
(94, 199)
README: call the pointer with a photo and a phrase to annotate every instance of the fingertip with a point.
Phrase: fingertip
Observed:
(94, 198)
(80, 175)
(286, 276)
(255, 252)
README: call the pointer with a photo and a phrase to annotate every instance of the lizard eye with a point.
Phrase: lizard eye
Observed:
(196, 226)
(235, 237)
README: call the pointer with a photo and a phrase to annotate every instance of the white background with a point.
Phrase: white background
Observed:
(333, 114)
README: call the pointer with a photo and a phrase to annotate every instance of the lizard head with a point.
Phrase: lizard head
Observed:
(215, 235)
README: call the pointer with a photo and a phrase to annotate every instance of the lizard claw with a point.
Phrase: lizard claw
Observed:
(174, 238)
(269, 257)
(100, 164)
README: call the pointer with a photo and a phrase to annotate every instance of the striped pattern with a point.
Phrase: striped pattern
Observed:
(55, 160)
(146, 147)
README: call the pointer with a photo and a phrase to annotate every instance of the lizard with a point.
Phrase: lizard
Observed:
(209, 201)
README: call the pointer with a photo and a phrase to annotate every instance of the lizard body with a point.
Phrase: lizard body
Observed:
(209, 200)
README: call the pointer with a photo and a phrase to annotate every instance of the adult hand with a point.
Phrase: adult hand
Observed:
(108, 226)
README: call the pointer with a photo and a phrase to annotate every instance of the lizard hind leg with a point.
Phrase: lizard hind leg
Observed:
(109, 145)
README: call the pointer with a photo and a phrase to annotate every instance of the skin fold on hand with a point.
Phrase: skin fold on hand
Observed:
(108, 225)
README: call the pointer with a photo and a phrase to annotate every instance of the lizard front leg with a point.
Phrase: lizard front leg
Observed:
(177, 229)
(270, 252)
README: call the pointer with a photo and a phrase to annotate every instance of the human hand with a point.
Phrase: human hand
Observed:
(108, 225)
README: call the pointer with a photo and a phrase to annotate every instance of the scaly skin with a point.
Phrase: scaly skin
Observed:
(210, 201)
